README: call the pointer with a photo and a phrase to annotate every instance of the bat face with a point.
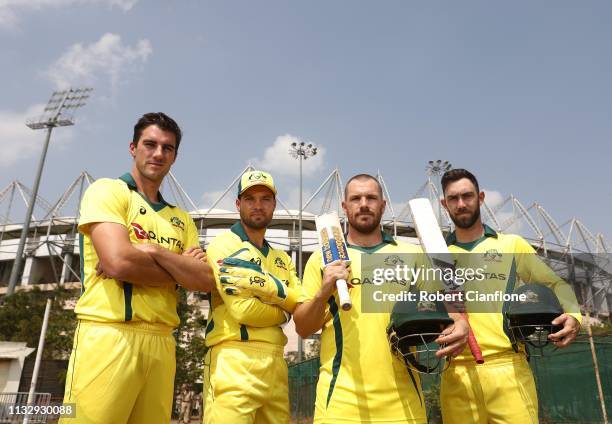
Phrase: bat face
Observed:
(429, 233)
(328, 254)
(331, 238)
(427, 226)
(333, 247)
(434, 245)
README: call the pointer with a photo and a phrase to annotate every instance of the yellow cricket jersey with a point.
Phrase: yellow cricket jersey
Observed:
(237, 318)
(109, 300)
(509, 261)
(360, 379)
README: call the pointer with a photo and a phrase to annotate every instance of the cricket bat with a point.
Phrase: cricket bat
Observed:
(333, 247)
(434, 245)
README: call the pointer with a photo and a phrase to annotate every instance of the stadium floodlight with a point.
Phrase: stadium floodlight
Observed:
(438, 168)
(59, 112)
(301, 152)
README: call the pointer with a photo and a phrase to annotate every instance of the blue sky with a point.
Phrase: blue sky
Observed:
(518, 92)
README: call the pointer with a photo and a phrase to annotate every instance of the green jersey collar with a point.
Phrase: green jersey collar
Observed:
(488, 232)
(386, 239)
(238, 229)
(129, 180)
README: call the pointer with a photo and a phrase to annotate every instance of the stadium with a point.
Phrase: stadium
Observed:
(576, 253)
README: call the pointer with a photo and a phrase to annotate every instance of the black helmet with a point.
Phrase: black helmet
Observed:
(530, 320)
(412, 327)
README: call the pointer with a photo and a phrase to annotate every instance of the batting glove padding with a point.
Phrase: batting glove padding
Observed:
(245, 278)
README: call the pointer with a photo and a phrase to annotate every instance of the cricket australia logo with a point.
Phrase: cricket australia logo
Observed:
(279, 263)
(257, 176)
(177, 223)
(393, 260)
(492, 255)
(531, 297)
(139, 232)
(426, 306)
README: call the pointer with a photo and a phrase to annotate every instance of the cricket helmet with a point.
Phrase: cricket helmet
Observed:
(530, 320)
(413, 327)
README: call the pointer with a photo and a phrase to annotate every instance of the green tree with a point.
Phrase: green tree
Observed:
(190, 348)
(21, 316)
(431, 390)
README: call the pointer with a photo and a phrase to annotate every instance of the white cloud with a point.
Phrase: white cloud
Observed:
(277, 161)
(505, 215)
(80, 64)
(10, 10)
(493, 198)
(83, 64)
(20, 142)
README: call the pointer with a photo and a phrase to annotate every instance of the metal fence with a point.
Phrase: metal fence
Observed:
(14, 406)
(565, 381)
(303, 378)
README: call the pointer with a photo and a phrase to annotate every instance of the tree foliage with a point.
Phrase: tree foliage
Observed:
(190, 348)
(21, 317)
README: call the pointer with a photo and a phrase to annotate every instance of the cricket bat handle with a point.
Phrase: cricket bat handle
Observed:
(473, 344)
(343, 294)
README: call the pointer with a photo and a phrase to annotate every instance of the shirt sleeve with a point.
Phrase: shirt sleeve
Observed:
(245, 310)
(193, 237)
(531, 269)
(313, 280)
(106, 200)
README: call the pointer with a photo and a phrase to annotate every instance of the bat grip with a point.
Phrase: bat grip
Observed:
(473, 344)
(343, 294)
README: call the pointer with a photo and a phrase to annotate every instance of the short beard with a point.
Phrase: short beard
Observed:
(467, 223)
(367, 228)
(255, 225)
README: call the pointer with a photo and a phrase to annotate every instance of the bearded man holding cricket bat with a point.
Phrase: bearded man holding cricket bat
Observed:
(360, 379)
(502, 389)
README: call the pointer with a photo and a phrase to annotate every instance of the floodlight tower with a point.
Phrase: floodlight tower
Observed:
(59, 112)
(301, 151)
(438, 168)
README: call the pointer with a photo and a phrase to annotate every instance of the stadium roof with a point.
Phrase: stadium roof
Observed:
(533, 222)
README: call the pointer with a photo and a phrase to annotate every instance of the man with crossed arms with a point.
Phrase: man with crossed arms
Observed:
(136, 249)
(245, 373)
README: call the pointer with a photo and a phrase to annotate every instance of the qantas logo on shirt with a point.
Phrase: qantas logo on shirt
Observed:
(142, 234)
(139, 232)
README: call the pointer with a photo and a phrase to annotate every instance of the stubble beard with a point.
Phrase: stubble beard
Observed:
(366, 228)
(253, 224)
(468, 222)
